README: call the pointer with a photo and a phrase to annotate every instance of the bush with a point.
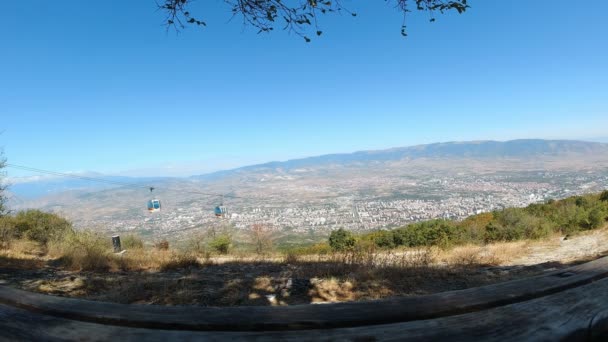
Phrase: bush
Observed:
(341, 240)
(516, 224)
(85, 250)
(473, 228)
(179, 261)
(39, 226)
(596, 218)
(197, 245)
(384, 239)
(580, 201)
(441, 233)
(221, 244)
(162, 245)
(536, 221)
(316, 249)
(291, 258)
(132, 241)
(7, 231)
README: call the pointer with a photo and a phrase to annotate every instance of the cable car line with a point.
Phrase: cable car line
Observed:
(153, 205)
(102, 180)
(93, 179)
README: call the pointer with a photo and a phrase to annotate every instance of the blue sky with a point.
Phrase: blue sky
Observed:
(100, 85)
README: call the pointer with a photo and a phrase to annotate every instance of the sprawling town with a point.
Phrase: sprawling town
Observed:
(449, 197)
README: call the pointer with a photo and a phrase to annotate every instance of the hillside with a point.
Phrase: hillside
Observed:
(422, 258)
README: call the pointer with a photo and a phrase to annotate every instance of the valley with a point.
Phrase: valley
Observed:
(359, 192)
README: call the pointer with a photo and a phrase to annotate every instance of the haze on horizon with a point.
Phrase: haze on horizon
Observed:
(103, 94)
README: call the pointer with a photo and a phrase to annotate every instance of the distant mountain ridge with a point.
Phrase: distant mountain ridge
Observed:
(521, 148)
(524, 149)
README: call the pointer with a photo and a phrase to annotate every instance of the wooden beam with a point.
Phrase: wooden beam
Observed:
(309, 316)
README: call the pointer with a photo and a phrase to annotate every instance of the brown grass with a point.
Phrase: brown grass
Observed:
(90, 251)
(22, 254)
(23, 249)
(85, 251)
(491, 255)
(333, 290)
(162, 245)
(173, 277)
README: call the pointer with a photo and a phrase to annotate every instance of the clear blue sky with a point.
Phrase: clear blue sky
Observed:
(100, 85)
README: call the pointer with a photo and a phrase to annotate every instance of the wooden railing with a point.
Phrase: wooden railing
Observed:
(569, 304)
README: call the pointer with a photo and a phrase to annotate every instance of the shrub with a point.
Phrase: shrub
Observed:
(84, 250)
(262, 238)
(7, 231)
(162, 245)
(197, 245)
(341, 240)
(597, 217)
(516, 224)
(385, 239)
(441, 233)
(39, 226)
(321, 248)
(473, 228)
(221, 244)
(132, 241)
(536, 221)
(291, 258)
(179, 261)
(580, 201)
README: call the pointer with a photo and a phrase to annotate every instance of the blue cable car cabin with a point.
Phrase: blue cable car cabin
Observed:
(220, 211)
(153, 205)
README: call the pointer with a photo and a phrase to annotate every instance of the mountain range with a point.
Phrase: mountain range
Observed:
(521, 154)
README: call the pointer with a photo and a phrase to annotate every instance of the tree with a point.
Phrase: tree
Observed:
(604, 196)
(341, 240)
(3, 209)
(262, 237)
(300, 17)
(221, 244)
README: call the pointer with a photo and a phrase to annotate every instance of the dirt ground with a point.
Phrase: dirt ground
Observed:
(229, 282)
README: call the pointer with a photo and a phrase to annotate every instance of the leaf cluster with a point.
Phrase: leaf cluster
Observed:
(297, 16)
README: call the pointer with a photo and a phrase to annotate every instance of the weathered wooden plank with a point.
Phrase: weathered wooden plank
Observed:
(567, 315)
(309, 316)
(599, 326)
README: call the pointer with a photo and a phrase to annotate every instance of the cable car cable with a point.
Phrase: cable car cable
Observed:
(107, 181)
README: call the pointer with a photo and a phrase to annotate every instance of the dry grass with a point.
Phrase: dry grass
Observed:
(23, 249)
(489, 255)
(141, 259)
(148, 275)
(333, 290)
(22, 254)
(90, 251)
(85, 251)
